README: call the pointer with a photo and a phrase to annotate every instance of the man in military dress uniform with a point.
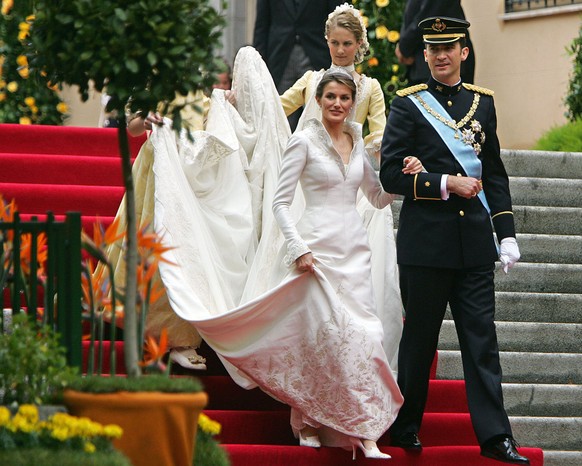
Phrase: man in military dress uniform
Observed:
(445, 244)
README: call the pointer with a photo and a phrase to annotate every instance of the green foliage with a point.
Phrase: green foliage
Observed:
(384, 18)
(153, 382)
(33, 363)
(25, 95)
(45, 457)
(574, 98)
(566, 138)
(143, 52)
(208, 451)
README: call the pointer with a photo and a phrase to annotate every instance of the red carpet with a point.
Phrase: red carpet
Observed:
(62, 168)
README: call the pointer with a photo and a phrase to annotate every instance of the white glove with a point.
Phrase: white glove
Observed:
(508, 253)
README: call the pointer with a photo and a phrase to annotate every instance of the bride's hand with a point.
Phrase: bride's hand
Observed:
(153, 119)
(412, 166)
(230, 97)
(304, 263)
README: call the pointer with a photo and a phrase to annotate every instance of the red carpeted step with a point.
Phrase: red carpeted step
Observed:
(278, 455)
(272, 428)
(444, 396)
(57, 169)
(63, 140)
(87, 221)
(59, 199)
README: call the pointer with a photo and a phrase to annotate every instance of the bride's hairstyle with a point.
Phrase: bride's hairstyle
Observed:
(347, 17)
(339, 76)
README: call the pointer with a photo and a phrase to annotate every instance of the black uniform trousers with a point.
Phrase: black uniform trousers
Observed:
(471, 296)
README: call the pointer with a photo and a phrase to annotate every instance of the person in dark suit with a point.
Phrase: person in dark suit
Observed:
(410, 47)
(289, 35)
(445, 246)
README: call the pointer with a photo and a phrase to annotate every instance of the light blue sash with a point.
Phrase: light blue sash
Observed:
(464, 153)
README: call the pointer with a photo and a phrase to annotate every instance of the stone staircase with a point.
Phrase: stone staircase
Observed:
(539, 307)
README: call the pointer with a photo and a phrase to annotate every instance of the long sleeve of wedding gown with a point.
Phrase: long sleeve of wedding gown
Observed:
(294, 160)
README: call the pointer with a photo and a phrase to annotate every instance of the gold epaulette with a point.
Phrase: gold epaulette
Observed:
(479, 89)
(411, 90)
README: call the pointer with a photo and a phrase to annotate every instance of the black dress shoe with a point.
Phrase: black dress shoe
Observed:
(409, 440)
(504, 450)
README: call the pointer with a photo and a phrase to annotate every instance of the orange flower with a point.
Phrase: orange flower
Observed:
(154, 352)
(41, 253)
(373, 61)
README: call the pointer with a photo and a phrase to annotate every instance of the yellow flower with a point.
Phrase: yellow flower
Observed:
(382, 3)
(394, 79)
(24, 72)
(12, 86)
(395, 68)
(373, 61)
(62, 107)
(22, 35)
(359, 69)
(112, 431)
(7, 6)
(24, 26)
(393, 36)
(25, 121)
(2, 96)
(89, 447)
(364, 18)
(4, 416)
(2, 84)
(30, 101)
(208, 425)
(34, 109)
(21, 60)
(29, 412)
(30, 18)
(382, 32)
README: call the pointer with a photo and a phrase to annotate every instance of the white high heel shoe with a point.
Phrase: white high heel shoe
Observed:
(372, 452)
(309, 441)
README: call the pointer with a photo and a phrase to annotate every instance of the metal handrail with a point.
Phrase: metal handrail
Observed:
(61, 306)
(512, 6)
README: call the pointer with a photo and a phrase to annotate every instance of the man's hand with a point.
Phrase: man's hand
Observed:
(464, 186)
(401, 58)
(508, 253)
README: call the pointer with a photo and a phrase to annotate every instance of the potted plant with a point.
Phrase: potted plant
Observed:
(59, 440)
(145, 54)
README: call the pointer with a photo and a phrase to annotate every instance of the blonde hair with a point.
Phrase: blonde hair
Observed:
(347, 17)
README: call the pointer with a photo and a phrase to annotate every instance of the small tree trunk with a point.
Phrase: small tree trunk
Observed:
(129, 305)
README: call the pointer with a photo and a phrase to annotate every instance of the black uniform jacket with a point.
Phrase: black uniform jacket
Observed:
(458, 232)
(280, 25)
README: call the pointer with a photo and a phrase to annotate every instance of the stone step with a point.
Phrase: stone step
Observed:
(533, 219)
(541, 164)
(558, 249)
(548, 220)
(540, 278)
(557, 192)
(555, 433)
(520, 367)
(562, 458)
(542, 400)
(537, 307)
(525, 337)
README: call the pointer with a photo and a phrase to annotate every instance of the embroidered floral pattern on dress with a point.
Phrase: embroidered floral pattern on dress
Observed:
(311, 378)
(325, 144)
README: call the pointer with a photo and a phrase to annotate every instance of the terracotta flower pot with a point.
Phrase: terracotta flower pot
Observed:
(158, 428)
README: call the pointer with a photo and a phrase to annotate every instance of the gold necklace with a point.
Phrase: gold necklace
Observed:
(451, 123)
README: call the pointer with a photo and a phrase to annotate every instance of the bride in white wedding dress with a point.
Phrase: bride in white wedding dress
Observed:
(311, 340)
